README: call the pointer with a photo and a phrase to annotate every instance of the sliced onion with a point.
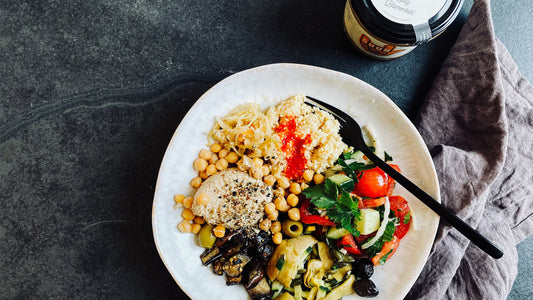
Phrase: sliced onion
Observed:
(382, 227)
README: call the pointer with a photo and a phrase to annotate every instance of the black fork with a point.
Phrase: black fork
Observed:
(352, 135)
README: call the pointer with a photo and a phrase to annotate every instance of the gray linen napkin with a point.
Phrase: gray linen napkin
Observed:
(477, 122)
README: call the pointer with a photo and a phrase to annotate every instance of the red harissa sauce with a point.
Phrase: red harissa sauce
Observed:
(293, 146)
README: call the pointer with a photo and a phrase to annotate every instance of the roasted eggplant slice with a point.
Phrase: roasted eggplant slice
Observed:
(233, 280)
(261, 290)
(235, 265)
(210, 255)
(253, 273)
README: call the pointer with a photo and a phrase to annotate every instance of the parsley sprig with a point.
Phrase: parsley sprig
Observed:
(352, 167)
(339, 205)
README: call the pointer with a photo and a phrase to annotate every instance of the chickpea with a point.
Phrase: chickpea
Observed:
(232, 157)
(222, 153)
(195, 228)
(202, 199)
(205, 154)
(265, 224)
(292, 200)
(308, 175)
(275, 227)
(256, 173)
(215, 148)
(203, 175)
(318, 178)
(258, 162)
(279, 192)
(211, 170)
(199, 164)
(269, 180)
(196, 182)
(184, 226)
(304, 186)
(221, 164)
(295, 188)
(187, 202)
(265, 169)
(273, 216)
(213, 159)
(219, 231)
(270, 208)
(277, 238)
(294, 214)
(241, 166)
(199, 220)
(187, 214)
(178, 198)
(283, 182)
(281, 204)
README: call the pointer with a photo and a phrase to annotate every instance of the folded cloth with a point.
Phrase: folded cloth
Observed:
(477, 121)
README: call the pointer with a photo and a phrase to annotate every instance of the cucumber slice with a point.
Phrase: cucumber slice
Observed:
(336, 233)
(343, 181)
(359, 157)
(368, 222)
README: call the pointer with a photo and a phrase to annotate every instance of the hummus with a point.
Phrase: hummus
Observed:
(235, 199)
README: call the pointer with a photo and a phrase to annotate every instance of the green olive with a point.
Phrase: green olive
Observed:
(292, 228)
(206, 238)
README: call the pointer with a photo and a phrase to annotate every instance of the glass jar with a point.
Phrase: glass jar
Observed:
(388, 29)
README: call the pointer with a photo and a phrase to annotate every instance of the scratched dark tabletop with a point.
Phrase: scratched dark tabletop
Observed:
(92, 91)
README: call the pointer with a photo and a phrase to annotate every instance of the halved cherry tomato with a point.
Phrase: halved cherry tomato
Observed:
(401, 209)
(374, 183)
(347, 242)
(388, 249)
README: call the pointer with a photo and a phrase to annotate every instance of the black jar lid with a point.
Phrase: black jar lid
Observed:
(398, 33)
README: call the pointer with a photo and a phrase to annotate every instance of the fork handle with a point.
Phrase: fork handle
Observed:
(469, 232)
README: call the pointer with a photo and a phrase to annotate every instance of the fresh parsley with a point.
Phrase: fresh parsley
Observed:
(339, 205)
(407, 218)
(387, 157)
(352, 168)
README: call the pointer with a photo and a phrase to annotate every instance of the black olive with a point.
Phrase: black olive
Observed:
(363, 268)
(265, 251)
(365, 288)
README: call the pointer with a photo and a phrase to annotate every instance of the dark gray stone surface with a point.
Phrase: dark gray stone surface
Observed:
(92, 91)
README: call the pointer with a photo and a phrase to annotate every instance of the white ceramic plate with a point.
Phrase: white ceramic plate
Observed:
(268, 85)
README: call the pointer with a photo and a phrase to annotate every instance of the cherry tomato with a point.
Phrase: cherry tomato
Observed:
(375, 183)
(372, 183)
(391, 182)
(401, 210)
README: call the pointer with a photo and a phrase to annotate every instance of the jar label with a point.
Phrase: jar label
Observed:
(409, 11)
(367, 43)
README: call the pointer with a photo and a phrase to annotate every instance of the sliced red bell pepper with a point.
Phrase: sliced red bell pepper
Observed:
(370, 203)
(386, 252)
(308, 218)
(347, 242)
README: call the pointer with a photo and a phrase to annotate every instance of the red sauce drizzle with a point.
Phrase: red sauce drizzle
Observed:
(293, 146)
